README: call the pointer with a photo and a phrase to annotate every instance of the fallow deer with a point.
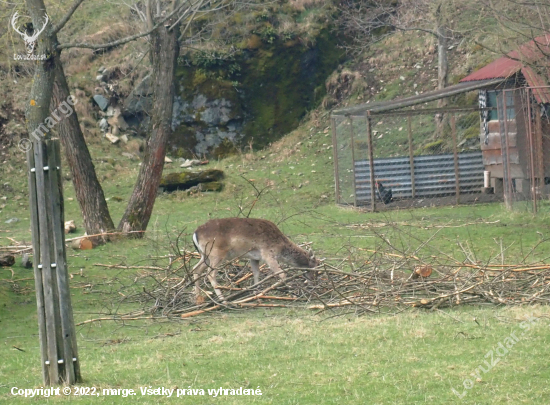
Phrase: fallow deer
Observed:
(220, 240)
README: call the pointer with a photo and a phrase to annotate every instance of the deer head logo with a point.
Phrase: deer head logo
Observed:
(29, 35)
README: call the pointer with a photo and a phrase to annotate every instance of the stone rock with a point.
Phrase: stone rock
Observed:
(103, 125)
(114, 130)
(129, 155)
(140, 99)
(167, 159)
(212, 121)
(70, 226)
(12, 220)
(101, 102)
(101, 69)
(110, 111)
(189, 163)
(118, 120)
(113, 139)
(124, 138)
(186, 180)
(26, 261)
(99, 78)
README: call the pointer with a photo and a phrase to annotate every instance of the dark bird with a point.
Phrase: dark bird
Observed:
(384, 194)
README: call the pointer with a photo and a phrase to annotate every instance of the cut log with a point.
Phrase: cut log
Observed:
(7, 260)
(82, 244)
(422, 271)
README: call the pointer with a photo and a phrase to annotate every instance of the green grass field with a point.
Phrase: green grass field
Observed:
(294, 356)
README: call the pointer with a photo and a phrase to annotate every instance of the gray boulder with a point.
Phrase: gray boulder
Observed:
(101, 102)
(140, 99)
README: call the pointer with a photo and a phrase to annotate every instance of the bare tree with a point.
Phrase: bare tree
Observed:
(89, 193)
(518, 23)
(368, 21)
(162, 22)
(164, 53)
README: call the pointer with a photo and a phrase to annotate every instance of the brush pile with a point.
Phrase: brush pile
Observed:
(383, 282)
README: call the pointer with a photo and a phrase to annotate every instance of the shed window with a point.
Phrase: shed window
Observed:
(492, 102)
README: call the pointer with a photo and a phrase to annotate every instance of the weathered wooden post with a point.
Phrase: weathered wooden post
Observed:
(371, 163)
(335, 157)
(411, 156)
(353, 161)
(455, 159)
(56, 329)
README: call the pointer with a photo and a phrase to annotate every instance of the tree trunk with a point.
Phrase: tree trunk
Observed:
(442, 73)
(37, 108)
(88, 190)
(164, 52)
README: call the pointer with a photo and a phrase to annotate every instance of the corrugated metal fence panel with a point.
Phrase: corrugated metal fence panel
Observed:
(434, 175)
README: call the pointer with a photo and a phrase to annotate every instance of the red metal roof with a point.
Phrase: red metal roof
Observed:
(542, 94)
(516, 61)
(511, 63)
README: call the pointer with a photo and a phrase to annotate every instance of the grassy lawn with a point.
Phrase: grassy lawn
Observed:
(294, 356)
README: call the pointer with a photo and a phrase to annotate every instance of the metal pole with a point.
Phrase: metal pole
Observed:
(531, 153)
(503, 143)
(371, 163)
(411, 156)
(538, 150)
(455, 157)
(353, 162)
(507, 144)
(335, 157)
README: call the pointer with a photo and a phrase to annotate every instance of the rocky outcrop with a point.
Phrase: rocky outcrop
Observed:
(255, 95)
(211, 120)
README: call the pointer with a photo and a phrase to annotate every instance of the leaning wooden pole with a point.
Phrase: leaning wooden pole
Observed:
(411, 155)
(353, 161)
(455, 159)
(371, 163)
(60, 363)
(335, 160)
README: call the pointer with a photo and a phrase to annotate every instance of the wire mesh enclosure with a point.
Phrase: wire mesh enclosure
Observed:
(413, 163)
(515, 141)
(491, 148)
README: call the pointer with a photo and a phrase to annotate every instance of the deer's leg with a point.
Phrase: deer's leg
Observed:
(212, 273)
(275, 268)
(197, 271)
(212, 278)
(255, 264)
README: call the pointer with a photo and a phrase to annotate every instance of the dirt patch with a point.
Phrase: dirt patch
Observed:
(474, 198)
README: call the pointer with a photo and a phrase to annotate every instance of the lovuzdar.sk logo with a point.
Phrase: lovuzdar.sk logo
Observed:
(30, 36)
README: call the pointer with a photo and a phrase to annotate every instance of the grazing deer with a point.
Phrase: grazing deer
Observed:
(225, 239)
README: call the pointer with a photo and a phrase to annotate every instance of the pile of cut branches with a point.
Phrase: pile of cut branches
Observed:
(383, 282)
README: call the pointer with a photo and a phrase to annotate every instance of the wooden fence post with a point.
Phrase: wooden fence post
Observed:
(353, 162)
(335, 157)
(455, 158)
(371, 164)
(411, 156)
(60, 362)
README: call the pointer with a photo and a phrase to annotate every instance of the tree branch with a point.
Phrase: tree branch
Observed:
(120, 41)
(67, 17)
